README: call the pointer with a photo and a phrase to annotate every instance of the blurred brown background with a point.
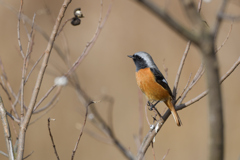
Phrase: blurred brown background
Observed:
(108, 71)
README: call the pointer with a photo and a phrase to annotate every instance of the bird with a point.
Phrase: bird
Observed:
(152, 83)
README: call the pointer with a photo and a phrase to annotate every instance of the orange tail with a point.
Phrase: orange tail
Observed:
(173, 111)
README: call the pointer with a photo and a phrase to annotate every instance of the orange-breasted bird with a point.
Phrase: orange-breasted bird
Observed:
(152, 83)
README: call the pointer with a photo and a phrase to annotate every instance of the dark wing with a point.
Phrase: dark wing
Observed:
(161, 80)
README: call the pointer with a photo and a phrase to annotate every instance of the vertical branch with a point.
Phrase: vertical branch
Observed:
(215, 106)
(25, 122)
(180, 69)
(51, 136)
(141, 115)
(6, 130)
(18, 29)
(214, 101)
(183, 59)
(81, 132)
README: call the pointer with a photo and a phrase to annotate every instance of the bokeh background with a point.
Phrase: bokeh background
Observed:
(108, 71)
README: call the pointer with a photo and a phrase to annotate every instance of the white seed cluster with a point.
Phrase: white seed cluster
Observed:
(61, 81)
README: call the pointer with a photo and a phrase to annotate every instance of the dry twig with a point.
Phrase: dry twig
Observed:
(81, 132)
(6, 129)
(54, 146)
(27, 117)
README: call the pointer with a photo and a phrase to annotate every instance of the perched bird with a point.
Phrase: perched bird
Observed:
(152, 83)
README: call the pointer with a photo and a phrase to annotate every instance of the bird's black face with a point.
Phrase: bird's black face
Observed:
(139, 62)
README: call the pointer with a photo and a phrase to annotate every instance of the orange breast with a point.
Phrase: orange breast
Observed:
(148, 85)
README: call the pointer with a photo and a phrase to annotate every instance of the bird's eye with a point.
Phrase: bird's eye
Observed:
(137, 57)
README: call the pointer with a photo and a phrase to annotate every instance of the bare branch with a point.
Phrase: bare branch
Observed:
(230, 71)
(5, 154)
(54, 146)
(141, 115)
(149, 138)
(165, 154)
(28, 155)
(6, 129)
(175, 87)
(172, 23)
(180, 69)
(203, 94)
(81, 132)
(33, 67)
(24, 124)
(44, 97)
(92, 42)
(196, 78)
(10, 88)
(227, 37)
(230, 17)
(219, 18)
(193, 13)
(18, 29)
(183, 89)
(60, 30)
(49, 108)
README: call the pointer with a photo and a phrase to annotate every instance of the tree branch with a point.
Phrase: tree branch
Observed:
(172, 23)
(51, 136)
(24, 124)
(6, 130)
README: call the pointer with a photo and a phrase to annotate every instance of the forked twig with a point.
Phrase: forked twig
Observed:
(6, 129)
(27, 117)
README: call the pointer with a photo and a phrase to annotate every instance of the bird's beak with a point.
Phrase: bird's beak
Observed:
(130, 56)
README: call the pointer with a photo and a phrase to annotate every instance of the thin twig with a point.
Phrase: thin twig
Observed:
(81, 132)
(18, 29)
(44, 97)
(227, 37)
(60, 30)
(13, 118)
(5, 154)
(30, 38)
(49, 103)
(33, 67)
(196, 78)
(183, 59)
(184, 88)
(203, 94)
(141, 115)
(92, 42)
(153, 152)
(28, 155)
(172, 23)
(230, 17)
(6, 129)
(219, 18)
(165, 154)
(9, 86)
(35, 120)
(180, 69)
(6, 91)
(51, 136)
(146, 107)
